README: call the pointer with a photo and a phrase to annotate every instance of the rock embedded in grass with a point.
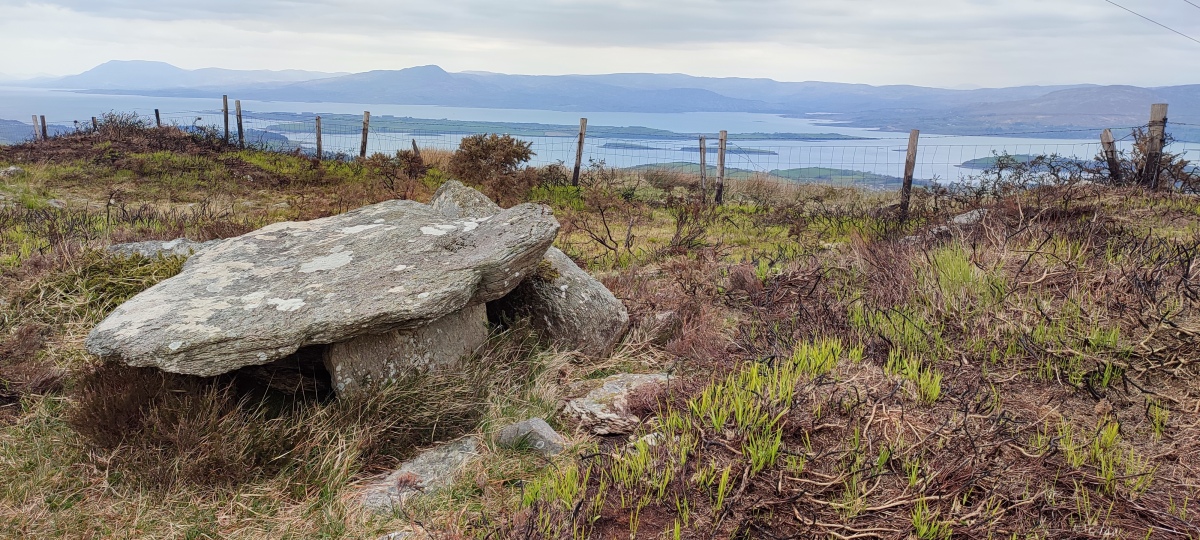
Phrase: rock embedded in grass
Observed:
(431, 471)
(250, 300)
(154, 248)
(606, 410)
(969, 218)
(534, 434)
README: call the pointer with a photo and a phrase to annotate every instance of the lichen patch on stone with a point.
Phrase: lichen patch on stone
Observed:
(290, 304)
(328, 262)
(360, 228)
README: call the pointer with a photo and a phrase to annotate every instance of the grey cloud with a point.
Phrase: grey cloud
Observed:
(648, 23)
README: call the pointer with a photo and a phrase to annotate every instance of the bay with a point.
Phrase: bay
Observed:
(882, 153)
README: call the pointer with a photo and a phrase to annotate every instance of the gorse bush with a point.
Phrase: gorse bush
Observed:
(400, 173)
(493, 163)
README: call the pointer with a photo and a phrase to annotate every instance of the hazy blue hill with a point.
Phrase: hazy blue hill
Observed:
(1000, 111)
(1088, 108)
(145, 75)
(12, 131)
(423, 85)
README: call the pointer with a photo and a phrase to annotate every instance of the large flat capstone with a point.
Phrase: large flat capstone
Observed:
(261, 296)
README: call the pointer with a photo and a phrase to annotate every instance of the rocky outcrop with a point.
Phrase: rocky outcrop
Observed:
(605, 410)
(424, 475)
(563, 303)
(396, 265)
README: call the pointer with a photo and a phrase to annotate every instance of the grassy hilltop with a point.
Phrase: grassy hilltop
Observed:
(836, 373)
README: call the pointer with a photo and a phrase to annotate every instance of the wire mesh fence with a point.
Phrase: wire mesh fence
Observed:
(864, 162)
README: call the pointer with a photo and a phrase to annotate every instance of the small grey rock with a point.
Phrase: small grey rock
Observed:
(969, 218)
(56, 203)
(398, 535)
(431, 471)
(455, 200)
(664, 326)
(9, 172)
(405, 535)
(534, 433)
(605, 410)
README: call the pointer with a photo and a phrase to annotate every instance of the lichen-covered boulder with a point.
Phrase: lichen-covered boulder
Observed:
(261, 296)
(567, 307)
(563, 303)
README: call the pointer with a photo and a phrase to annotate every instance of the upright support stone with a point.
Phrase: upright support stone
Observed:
(356, 364)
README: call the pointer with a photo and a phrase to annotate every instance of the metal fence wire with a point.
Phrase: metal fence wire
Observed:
(870, 162)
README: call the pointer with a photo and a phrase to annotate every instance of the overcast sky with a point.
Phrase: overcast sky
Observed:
(948, 43)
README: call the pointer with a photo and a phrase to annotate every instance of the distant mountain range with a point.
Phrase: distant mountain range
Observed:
(142, 75)
(1014, 110)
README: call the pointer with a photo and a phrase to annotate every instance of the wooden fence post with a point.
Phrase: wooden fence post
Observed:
(703, 169)
(225, 109)
(721, 167)
(320, 151)
(241, 135)
(416, 151)
(95, 124)
(1110, 155)
(37, 133)
(910, 167)
(579, 151)
(45, 134)
(362, 150)
(1158, 127)
(157, 119)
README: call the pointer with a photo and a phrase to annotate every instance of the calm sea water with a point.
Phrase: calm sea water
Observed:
(940, 156)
